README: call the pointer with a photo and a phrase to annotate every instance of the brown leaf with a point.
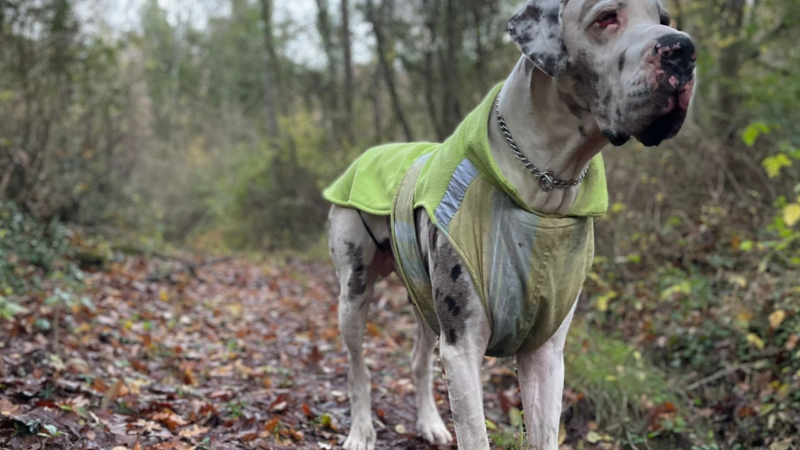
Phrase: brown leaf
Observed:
(307, 411)
(168, 418)
(8, 409)
(193, 431)
(272, 424)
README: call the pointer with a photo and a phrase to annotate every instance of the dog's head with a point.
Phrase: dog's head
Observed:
(629, 67)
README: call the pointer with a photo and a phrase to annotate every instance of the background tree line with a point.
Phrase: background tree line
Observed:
(190, 129)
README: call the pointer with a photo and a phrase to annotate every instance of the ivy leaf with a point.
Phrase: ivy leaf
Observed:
(752, 132)
(601, 304)
(774, 164)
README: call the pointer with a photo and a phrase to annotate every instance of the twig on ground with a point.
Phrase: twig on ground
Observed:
(189, 267)
(721, 374)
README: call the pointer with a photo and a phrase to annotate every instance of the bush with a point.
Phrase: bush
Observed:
(29, 249)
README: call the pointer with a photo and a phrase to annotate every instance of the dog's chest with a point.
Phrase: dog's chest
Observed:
(527, 270)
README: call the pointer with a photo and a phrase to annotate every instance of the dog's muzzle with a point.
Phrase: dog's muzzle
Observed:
(678, 59)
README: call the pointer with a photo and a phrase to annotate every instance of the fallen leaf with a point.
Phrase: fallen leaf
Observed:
(7, 408)
(755, 340)
(272, 424)
(194, 430)
(171, 420)
(777, 318)
(784, 444)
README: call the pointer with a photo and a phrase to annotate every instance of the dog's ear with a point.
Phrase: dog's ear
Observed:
(538, 32)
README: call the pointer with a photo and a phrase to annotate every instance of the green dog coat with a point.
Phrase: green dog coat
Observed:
(527, 268)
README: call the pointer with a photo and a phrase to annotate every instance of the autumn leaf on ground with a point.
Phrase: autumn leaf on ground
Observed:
(168, 418)
(193, 431)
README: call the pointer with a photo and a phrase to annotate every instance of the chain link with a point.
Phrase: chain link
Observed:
(547, 181)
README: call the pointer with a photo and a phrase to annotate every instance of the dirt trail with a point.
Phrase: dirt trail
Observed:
(242, 355)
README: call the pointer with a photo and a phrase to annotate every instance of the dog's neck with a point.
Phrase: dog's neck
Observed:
(551, 129)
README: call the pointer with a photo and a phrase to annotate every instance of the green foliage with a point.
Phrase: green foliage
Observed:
(67, 299)
(64, 150)
(618, 381)
(29, 249)
(9, 309)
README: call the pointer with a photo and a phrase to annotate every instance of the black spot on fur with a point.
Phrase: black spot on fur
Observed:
(452, 313)
(551, 63)
(449, 302)
(535, 23)
(455, 272)
(622, 58)
(532, 12)
(574, 108)
(586, 80)
(357, 284)
(582, 131)
(452, 306)
(452, 338)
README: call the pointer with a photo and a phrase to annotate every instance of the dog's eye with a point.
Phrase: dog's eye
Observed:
(607, 19)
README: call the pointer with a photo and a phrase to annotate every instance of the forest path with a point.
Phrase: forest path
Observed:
(235, 355)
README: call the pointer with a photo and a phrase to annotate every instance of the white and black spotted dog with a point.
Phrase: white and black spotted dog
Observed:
(593, 72)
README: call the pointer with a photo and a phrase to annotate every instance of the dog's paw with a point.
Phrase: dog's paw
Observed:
(434, 430)
(362, 437)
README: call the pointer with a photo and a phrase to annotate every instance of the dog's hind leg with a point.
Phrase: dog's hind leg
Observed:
(541, 380)
(353, 252)
(429, 423)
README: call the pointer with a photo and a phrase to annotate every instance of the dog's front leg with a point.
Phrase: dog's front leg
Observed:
(462, 362)
(465, 334)
(541, 380)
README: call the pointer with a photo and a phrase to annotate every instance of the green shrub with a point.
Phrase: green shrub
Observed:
(29, 249)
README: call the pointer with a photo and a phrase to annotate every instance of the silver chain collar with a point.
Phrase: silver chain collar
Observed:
(547, 181)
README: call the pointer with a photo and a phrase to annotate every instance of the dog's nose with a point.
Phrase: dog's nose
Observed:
(678, 54)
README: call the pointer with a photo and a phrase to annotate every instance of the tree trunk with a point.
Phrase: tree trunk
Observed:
(324, 27)
(349, 82)
(481, 68)
(377, 116)
(730, 62)
(431, 12)
(451, 110)
(271, 69)
(386, 66)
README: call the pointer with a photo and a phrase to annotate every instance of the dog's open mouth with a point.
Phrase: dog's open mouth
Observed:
(665, 127)
(669, 124)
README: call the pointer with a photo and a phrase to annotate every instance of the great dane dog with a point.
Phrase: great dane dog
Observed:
(593, 72)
